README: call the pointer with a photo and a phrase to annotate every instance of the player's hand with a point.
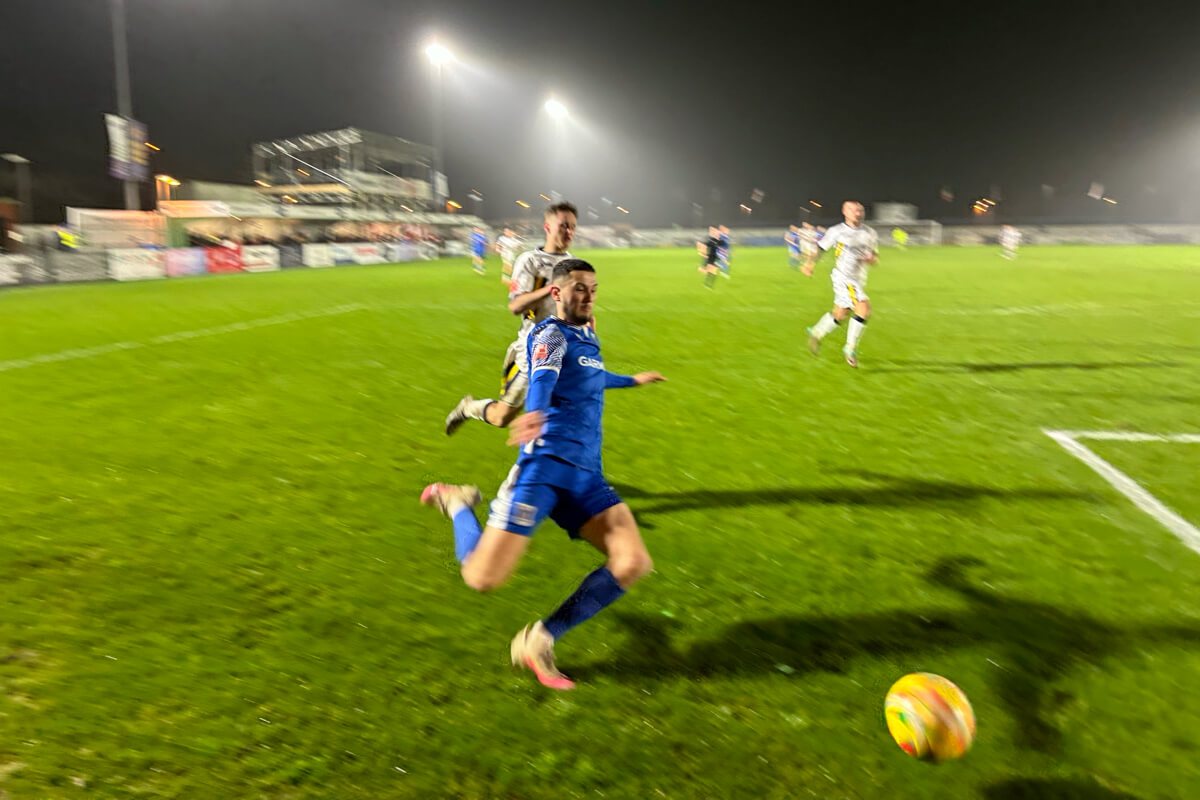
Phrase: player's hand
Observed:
(526, 428)
(642, 378)
(871, 258)
(807, 269)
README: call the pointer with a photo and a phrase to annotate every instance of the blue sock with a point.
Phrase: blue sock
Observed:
(466, 534)
(597, 591)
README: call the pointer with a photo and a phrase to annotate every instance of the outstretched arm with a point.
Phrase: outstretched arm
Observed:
(614, 381)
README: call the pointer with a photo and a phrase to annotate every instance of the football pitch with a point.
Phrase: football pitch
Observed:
(217, 581)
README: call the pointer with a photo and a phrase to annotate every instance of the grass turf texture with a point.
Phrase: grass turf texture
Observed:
(217, 581)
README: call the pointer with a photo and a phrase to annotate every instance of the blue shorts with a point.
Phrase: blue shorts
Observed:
(543, 486)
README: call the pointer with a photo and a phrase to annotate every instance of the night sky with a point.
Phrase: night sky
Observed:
(671, 103)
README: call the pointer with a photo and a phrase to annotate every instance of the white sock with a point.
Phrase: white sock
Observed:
(824, 325)
(855, 333)
(475, 408)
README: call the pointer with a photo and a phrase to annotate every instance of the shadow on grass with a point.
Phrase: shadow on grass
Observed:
(1051, 789)
(969, 367)
(1038, 644)
(890, 491)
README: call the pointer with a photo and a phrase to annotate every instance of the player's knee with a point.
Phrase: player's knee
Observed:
(630, 568)
(480, 580)
(501, 414)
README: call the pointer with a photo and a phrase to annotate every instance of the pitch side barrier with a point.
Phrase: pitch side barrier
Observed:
(133, 264)
(45, 266)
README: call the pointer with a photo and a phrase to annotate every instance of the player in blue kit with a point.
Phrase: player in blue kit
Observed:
(479, 243)
(725, 251)
(558, 474)
(792, 240)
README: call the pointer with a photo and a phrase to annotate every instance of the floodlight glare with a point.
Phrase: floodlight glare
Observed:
(556, 109)
(438, 53)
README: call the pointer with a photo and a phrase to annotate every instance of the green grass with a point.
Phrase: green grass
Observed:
(216, 581)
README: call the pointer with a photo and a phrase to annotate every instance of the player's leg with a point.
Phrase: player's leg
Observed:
(497, 412)
(710, 275)
(614, 533)
(858, 325)
(489, 555)
(598, 516)
(831, 319)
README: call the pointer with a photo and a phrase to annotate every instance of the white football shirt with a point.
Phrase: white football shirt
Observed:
(508, 247)
(853, 245)
(532, 270)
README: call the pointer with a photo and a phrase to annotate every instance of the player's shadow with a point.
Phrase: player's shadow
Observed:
(974, 367)
(1051, 789)
(1036, 645)
(887, 491)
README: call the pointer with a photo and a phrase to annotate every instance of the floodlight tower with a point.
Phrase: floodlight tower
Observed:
(438, 55)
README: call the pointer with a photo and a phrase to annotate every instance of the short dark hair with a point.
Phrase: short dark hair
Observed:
(560, 207)
(568, 265)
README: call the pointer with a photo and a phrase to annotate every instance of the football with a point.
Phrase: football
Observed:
(929, 717)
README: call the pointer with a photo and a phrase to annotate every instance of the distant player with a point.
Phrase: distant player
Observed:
(857, 248)
(792, 240)
(808, 239)
(709, 250)
(530, 299)
(558, 475)
(507, 245)
(724, 251)
(1010, 240)
(900, 238)
(479, 243)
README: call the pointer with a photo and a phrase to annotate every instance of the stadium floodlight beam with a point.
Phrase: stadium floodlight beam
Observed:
(556, 109)
(438, 53)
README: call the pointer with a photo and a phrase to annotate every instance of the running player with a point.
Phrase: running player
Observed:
(709, 250)
(857, 248)
(808, 239)
(479, 242)
(792, 240)
(507, 245)
(530, 299)
(1010, 240)
(724, 250)
(558, 475)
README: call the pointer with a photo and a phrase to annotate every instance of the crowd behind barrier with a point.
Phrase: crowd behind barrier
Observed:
(39, 265)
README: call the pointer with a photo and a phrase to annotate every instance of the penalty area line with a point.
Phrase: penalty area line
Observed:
(179, 336)
(1185, 531)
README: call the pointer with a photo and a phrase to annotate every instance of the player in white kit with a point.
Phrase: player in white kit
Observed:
(508, 246)
(808, 240)
(530, 299)
(857, 248)
(1010, 240)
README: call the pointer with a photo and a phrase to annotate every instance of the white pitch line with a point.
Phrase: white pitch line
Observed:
(216, 330)
(1184, 530)
(1129, 436)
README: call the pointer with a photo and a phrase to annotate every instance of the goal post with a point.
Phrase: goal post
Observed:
(897, 223)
